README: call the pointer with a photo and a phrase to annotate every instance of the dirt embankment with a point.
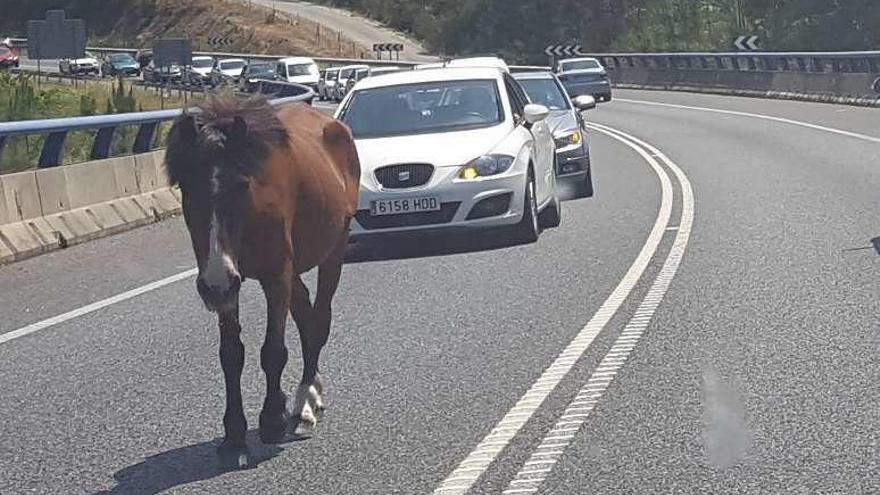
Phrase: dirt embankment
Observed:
(228, 26)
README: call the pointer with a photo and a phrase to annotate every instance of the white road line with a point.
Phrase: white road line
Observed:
(648, 306)
(841, 132)
(95, 306)
(532, 399)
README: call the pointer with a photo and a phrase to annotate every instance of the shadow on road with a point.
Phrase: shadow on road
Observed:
(875, 245)
(177, 467)
(424, 246)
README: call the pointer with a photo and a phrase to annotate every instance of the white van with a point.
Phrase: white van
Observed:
(300, 70)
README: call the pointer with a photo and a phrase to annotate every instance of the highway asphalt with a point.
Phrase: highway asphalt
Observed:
(757, 374)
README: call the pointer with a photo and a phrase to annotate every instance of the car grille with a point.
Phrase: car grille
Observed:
(405, 175)
(444, 215)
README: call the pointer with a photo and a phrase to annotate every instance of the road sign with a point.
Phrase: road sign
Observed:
(563, 51)
(56, 37)
(388, 47)
(172, 51)
(747, 43)
(218, 41)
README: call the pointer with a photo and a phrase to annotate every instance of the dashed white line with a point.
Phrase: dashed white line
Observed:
(573, 417)
(459, 482)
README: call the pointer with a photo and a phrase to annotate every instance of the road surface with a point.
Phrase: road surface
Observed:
(361, 30)
(748, 368)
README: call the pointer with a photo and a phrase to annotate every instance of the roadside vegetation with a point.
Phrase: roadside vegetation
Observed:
(520, 29)
(22, 98)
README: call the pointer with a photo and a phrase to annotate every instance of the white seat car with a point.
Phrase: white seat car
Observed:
(456, 148)
(227, 71)
(345, 73)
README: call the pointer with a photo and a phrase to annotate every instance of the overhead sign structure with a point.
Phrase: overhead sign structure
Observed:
(564, 51)
(172, 51)
(56, 37)
(747, 43)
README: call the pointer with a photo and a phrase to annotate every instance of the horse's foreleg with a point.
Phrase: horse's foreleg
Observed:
(233, 451)
(273, 358)
(302, 312)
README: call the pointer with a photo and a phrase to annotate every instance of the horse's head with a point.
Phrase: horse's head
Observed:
(213, 154)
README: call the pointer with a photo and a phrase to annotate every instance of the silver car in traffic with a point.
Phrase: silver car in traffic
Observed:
(573, 167)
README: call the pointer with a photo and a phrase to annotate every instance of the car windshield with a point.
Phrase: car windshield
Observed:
(5, 51)
(301, 69)
(442, 106)
(580, 65)
(546, 92)
(346, 73)
(202, 63)
(232, 65)
(331, 75)
(261, 69)
(121, 59)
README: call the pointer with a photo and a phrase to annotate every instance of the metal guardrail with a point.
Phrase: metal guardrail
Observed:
(867, 62)
(56, 130)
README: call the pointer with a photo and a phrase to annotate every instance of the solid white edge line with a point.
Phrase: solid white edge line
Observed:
(95, 306)
(560, 367)
(772, 118)
(659, 288)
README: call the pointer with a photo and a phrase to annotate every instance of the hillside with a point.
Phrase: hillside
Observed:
(136, 23)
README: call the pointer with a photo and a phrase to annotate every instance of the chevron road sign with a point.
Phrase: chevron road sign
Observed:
(388, 47)
(219, 41)
(747, 43)
(563, 51)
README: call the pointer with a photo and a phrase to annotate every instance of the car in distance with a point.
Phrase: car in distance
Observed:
(584, 76)
(254, 73)
(299, 70)
(86, 64)
(325, 84)
(359, 75)
(120, 64)
(199, 71)
(227, 71)
(451, 149)
(161, 75)
(573, 170)
(8, 58)
(345, 73)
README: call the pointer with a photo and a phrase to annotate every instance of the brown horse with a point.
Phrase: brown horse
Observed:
(267, 194)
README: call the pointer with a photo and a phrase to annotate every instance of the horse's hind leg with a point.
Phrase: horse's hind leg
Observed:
(273, 357)
(233, 451)
(313, 340)
(303, 314)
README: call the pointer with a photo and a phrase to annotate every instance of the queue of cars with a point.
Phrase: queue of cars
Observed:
(464, 145)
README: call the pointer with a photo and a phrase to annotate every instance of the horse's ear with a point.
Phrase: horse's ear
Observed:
(239, 129)
(186, 128)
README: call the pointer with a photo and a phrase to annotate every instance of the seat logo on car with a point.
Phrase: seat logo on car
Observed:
(403, 176)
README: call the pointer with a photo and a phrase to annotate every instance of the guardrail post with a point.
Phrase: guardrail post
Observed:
(2, 144)
(144, 139)
(50, 156)
(101, 145)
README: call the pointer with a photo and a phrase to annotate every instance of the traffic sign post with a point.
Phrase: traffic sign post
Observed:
(172, 51)
(56, 37)
(747, 43)
(395, 48)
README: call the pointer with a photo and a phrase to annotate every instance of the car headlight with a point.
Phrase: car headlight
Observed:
(568, 139)
(486, 166)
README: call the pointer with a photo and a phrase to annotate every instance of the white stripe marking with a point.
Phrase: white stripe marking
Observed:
(578, 346)
(657, 291)
(783, 120)
(95, 306)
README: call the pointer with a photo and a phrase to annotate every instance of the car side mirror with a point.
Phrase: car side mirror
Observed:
(534, 113)
(584, 102)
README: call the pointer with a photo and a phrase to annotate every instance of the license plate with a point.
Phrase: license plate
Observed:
(403, 205)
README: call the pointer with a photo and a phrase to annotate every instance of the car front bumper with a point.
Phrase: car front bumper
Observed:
(460, 202)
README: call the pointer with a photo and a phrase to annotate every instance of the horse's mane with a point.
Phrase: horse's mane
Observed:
(235, 131)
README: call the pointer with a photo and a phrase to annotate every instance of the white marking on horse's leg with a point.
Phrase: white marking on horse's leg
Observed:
(301, 406)
(219, 265)
(315, 398)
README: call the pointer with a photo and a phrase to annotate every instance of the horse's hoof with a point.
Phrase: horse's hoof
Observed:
(233, 455)
(303, 428)
(274, 431)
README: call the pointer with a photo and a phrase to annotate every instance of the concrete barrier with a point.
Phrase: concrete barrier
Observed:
(57, 207)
